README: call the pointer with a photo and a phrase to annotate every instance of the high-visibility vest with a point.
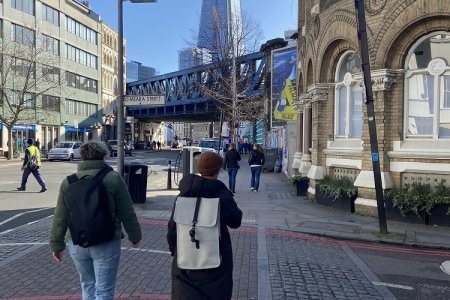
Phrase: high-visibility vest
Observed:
(34, 151)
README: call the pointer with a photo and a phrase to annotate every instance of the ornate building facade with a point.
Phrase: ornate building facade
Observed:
(409, 44)
(110, 73)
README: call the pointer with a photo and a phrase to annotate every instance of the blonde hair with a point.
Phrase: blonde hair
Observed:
(94, 150)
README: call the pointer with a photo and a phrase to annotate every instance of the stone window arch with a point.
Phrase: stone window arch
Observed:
(427, 88)
(348, 97)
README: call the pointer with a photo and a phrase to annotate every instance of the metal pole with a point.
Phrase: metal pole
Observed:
(234, 86)
(365, 65)
(120, 115)
(169, 175)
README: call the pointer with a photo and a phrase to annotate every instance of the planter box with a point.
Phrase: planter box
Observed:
(438, 215)
(302, 187)
(343, 203)
(394, 214)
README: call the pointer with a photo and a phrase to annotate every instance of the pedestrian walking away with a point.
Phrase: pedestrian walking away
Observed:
(232, 158)
(212, 283)
(31, 165)
(97, 260)
(256, 161)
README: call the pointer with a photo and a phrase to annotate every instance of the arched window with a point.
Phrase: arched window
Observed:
(348, 97)
(427, 88)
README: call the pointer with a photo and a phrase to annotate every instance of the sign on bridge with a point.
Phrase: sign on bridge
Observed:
(143, 100)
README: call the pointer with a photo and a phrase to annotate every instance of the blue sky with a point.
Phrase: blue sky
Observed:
(156, 31)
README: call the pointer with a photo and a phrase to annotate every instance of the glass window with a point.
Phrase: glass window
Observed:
(50, 103)
(22, 35)
(348, 104)
(26, 6)
(51, 44)
(427, 88)
(51, 74)
(50, 14)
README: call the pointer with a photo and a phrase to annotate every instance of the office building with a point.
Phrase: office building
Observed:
(63, 103)
(136, 71)
(225, 14)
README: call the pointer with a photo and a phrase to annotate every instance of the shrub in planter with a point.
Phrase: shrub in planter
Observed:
(301, 183)
(336, 193)
(407, 205)
(438, 206)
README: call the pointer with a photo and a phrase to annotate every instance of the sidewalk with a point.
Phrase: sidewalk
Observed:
(275, 205)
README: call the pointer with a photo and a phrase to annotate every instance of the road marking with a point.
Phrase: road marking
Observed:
(21, 214)
(396, 286)
(445, 267)
(123, 248)
(7, 182)
(22, 244)
(145, 250)
(9, 165)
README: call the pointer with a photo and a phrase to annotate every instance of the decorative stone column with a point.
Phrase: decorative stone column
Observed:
(305, 164)
(318, 94)
(298, 106)
(382, 82)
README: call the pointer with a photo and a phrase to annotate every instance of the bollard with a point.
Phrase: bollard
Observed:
(169, 175)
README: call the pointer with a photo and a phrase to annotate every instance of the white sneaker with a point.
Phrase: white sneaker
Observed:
(252, 189)
(255, 190)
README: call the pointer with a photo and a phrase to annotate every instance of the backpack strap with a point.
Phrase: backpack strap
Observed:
(102, 173)
(98, 177)
(194, 222)
(72, 178)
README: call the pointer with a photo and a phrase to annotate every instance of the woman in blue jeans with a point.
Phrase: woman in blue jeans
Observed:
(256, 161)
(97, 264)
(232, 157)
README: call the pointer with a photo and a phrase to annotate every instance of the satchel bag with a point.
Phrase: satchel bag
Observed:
(198, 232)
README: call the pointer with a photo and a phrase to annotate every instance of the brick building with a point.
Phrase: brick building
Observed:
(409, 44)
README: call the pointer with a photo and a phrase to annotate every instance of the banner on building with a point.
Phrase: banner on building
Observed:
(283, 91)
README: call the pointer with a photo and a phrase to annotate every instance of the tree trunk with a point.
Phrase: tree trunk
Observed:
(10, 143)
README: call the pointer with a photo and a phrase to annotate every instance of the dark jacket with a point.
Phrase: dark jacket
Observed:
(231, 159)
(119, 201)
(214, 283)
(256, 158)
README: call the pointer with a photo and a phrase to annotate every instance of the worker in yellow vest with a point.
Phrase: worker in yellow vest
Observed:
(32, 164)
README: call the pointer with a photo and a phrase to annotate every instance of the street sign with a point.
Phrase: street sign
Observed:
(143, 100)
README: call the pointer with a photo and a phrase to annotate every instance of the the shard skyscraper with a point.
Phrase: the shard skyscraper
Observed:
(220, 21)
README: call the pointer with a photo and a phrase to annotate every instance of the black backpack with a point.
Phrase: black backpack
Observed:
(86, 199)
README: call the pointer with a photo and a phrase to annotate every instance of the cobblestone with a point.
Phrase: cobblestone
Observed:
(303, 269)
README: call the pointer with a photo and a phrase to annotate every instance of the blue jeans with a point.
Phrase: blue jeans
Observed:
(232, 172)
(256, 173)
(97, 267)
(36, 174)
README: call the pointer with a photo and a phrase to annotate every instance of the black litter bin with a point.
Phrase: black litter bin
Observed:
(136, 179)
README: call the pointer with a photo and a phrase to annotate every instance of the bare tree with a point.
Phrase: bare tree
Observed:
(228, 83)
(28, 69)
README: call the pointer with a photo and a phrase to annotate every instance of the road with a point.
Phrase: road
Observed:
(270, 263)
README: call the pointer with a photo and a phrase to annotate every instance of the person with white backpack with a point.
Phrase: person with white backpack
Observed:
(198, 236)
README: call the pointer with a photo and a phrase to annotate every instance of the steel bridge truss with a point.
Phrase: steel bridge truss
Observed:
(183, 90)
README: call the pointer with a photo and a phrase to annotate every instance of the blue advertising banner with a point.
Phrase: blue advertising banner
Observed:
(284, 86)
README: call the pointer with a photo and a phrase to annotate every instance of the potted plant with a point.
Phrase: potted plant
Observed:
(438, 206)
(301, 183)
(336, 193)
(408, 205)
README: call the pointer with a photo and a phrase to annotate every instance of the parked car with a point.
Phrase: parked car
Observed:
(214, 144)
(112, 145)
(65, 151)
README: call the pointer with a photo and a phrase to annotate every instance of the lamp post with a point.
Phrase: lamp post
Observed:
(120, 110)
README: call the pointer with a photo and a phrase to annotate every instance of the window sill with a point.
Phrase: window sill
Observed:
(423, 149)
(346, 147)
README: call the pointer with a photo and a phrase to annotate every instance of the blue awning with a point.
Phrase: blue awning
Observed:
(80, 129)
